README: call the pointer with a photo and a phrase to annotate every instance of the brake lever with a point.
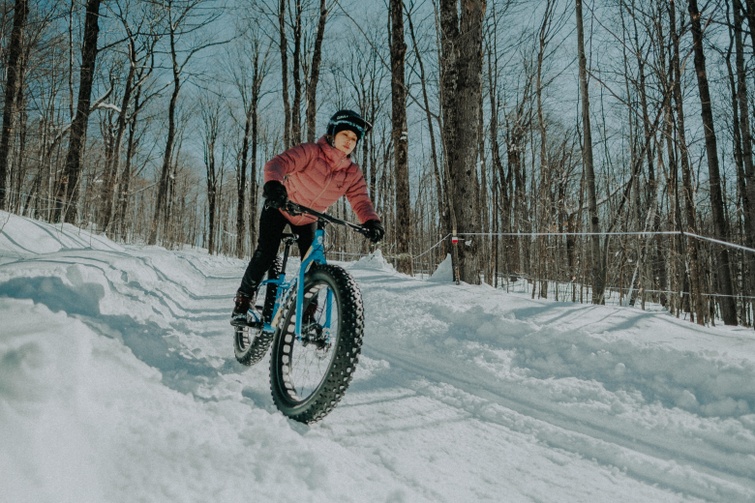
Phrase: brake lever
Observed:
(292, 208)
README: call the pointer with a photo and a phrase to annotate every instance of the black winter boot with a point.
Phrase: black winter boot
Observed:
(242, 304)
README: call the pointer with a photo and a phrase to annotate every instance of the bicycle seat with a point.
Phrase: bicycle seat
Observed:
(289, 238)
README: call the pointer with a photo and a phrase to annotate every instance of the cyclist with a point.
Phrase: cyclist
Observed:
(315, 175)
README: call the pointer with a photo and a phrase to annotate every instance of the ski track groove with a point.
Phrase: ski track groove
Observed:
(605, 445)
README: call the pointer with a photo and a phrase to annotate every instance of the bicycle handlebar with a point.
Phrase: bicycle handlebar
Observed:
(297, 209)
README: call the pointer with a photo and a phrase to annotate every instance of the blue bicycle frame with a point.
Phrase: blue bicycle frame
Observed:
(315, 255)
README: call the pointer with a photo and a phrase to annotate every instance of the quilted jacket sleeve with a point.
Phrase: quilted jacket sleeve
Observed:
(359, 199)
(292, 160)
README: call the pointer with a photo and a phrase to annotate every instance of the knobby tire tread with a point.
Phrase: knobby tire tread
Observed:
(347, 349)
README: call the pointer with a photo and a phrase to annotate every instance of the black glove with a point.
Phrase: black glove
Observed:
(275, 193)
(374, 230)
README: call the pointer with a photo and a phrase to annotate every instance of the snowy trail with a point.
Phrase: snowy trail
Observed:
(118, 383)
(666, 455)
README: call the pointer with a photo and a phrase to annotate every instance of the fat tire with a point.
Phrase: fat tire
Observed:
(250, 344)
(346, 347)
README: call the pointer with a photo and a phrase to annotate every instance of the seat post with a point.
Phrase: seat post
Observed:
(288, 239)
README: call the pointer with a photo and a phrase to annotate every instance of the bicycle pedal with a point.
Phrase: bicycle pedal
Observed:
(252, 320)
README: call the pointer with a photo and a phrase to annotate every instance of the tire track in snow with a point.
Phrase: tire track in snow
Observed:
(652, 459)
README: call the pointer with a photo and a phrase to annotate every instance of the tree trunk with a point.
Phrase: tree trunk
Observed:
(543, 200)
(12, 84)
(112, 170)
(688, 190)
(747, 180)
(517, 126)
(500, 196)
(296, 75)
(284, 73)
(399, 138)
(162, 205)
(211, 120)
(241, 183)
(314, 75)
(67, 194)
(598, 267)
(724, 281)
(438, 177)
(461, 86)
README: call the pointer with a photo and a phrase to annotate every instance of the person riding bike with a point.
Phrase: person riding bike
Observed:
(315, 175)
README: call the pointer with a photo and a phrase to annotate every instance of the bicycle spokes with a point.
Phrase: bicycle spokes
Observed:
(310, 353)
(311, 371)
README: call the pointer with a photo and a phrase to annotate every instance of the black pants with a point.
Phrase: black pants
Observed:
(272, 225)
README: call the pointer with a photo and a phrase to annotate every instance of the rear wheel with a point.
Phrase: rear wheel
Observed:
(251, 342)
(310, 374)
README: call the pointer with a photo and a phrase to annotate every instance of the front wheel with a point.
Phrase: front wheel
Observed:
(310, 374)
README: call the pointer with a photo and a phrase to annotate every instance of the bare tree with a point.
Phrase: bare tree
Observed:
(255, 59)
(210, 112)
(399, 137)
(139, 40)
(461, 87)
(283, 44)
(12, 83)
(46, 49)
(743, 147)
(432, 120)
(501, 201)
(299, 40)
(677, 113)
(598, 267)
(314, 74)
(182, 22)
(727, 300)
(543, 202)
(363, 84)
(632, 44)
(67, 193)
(519, 154)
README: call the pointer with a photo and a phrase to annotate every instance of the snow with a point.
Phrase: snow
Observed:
(118, 383)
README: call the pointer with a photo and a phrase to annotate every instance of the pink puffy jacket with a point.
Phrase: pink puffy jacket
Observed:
(316, 175)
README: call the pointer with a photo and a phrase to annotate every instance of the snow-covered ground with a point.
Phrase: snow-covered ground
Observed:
(118, 384)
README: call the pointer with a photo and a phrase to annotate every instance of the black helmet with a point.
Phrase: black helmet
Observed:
(348, 119)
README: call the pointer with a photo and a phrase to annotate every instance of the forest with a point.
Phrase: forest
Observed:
(593, 150)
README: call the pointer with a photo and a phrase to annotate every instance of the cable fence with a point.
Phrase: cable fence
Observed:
(648, 269)
(670, 270)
